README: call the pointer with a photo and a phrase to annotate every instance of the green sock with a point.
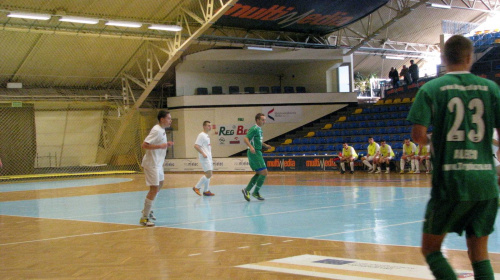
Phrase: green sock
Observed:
(483, 270)
(252, 182)
(260, 182)
(440, 267)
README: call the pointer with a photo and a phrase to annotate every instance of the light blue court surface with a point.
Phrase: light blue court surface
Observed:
(60, 184)
(379, 215)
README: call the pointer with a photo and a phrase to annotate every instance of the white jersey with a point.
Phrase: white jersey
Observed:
(156, 157)
(203, 140)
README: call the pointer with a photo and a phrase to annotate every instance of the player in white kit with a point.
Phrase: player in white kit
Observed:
(202, 145)
(156, 145)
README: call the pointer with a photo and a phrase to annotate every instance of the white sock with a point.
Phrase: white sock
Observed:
(206, 186)
(201, 182)
(379, 169)
(402, 164)
(342, 164)
(428, 164)
(352, 166)
(367, 163)
(412, 162)
(374, 166)
(148, 204)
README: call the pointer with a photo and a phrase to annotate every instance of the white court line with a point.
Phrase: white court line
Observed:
(294, 211)
(70, 236)
(266, 244)
(244, 247)
(218, 251)
(287, 241)
(192, 255)
(365, 229)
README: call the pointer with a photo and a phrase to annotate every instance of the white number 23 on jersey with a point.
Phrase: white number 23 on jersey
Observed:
(456, 105)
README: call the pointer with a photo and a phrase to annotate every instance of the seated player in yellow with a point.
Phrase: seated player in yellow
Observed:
(409, 151)
(424, 154)
(348, 155)
(373, 154)
(386, 155)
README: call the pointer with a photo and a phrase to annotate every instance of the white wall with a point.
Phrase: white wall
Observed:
(244, 68)
(191, 119)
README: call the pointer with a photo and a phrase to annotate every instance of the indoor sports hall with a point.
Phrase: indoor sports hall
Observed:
(82, 84)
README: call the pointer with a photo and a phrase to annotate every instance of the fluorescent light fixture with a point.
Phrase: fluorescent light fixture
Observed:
(164, 27)
(29, 15)
(124, 23)
(439, 6)
(79, 20)
(259, 48)
(393, 57)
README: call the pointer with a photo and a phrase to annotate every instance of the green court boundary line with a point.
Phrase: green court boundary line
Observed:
(57, 175)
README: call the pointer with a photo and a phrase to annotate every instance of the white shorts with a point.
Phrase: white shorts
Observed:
(386, 158)
(370, 158)
(154, 175)
(206, 164)
(408, 159)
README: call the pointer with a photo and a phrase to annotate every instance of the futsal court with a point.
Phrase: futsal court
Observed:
(316, 225)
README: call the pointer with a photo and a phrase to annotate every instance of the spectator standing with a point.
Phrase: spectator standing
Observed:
(394, 76)
(413, 70)
(405, 73)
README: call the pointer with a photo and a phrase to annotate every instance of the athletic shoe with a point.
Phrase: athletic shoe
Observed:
(197, 191)
(371, 171)
(246, 194)
(411, 172)
(208, 193)
(427, 172)
(401, 172)
(146, 222)
(257, 195)
(352, 172)
(342, 172)
(387, 171)
(417, 172)
(378, 171)
(151, 216)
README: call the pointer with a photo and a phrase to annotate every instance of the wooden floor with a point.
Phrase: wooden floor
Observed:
(40, 248)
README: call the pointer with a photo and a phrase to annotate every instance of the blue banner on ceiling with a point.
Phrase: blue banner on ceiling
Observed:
(313, 16)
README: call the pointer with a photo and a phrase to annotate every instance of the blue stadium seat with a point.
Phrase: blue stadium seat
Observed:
(288, 149)
(201, 91)
(297, 141)
(234, 89)
(300, 89)
(263, 89)
(330, 140)
(249, 90)
(330, 148)
(217, 90)
(288, 89)
(295, 148)
(275, 89)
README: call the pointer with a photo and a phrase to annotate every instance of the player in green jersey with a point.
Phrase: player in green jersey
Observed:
(254, 141)
(463, 109)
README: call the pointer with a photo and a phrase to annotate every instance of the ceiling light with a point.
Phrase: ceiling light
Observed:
(259, 48)
(79, 20)
(164, 27)
(124, 23)
(29, 15)
(393, 57)
(439, 6)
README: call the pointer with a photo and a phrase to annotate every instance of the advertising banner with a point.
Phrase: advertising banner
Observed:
(314, 16)
(220, 164)
(232, 134)
(283, 114)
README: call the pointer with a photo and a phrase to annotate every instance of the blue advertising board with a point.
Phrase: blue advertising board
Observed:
(313, 16)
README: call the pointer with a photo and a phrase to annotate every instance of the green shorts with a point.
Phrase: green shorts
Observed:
(475, 217)
(256, 160)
